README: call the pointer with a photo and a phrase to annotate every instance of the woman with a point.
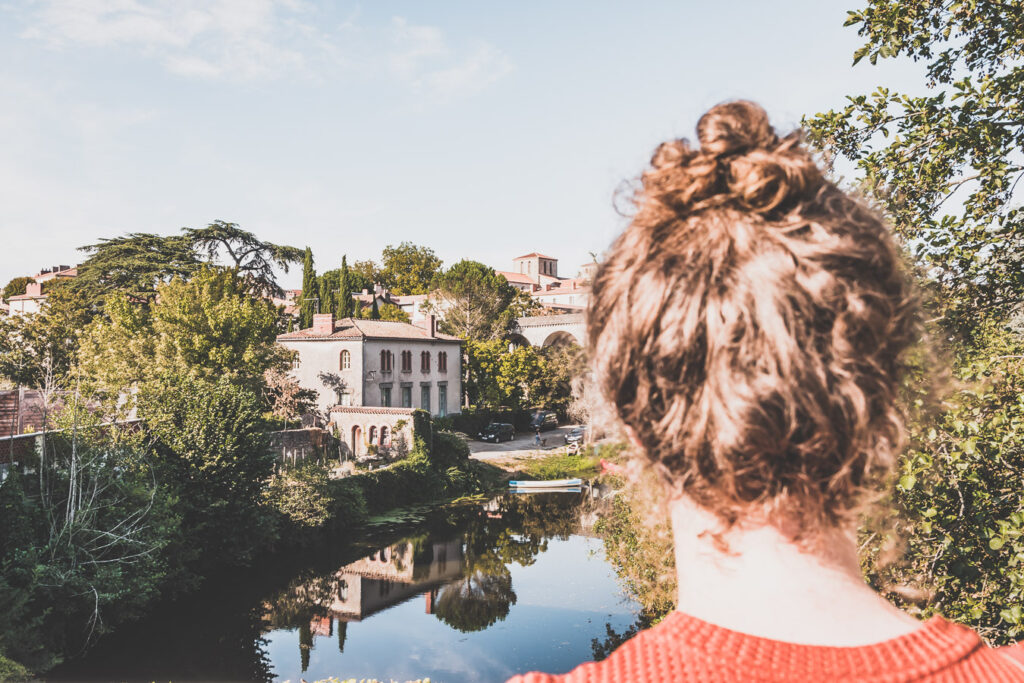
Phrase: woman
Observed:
(748, 329)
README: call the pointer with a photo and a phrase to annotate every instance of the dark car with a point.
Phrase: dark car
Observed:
(576, 435)
(497, 432)
(544, 421)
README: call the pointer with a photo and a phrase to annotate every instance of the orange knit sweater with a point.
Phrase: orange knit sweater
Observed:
(684, 648)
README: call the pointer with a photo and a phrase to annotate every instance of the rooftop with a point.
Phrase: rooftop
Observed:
(521, 278)
(352, 328)
(535, 255)
(371, 410)
(545, 320)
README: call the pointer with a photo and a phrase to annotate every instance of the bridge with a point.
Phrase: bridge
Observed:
(551, 330)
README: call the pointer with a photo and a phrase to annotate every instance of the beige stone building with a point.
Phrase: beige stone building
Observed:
(378, 363)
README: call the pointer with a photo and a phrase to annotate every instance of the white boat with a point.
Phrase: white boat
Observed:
(546, 484)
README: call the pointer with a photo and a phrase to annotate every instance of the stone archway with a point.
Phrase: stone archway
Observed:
(559, 338)
(357, 438)
(517, 340)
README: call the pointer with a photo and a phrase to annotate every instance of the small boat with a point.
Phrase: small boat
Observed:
(531, 491)
(546, 484)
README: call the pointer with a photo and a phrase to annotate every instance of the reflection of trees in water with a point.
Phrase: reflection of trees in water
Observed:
(480, 598)
(513, 528)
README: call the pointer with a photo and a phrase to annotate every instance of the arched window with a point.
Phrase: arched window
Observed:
(346, 361)
(406, 361)
(385, 435)
(425, 361)
(442, 361)
(387, 361)
(373, 435)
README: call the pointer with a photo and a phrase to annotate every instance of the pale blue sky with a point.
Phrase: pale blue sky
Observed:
(483, 130)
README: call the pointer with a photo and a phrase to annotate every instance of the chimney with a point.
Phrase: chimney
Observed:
(432, 325)
(34, 289)
(323, 323)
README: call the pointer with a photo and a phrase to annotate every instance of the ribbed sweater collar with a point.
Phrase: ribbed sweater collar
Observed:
(937, 644)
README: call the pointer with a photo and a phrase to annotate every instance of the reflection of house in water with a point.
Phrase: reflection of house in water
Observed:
(384, 578)
(394, 574)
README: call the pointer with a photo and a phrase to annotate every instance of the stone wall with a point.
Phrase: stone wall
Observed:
(386, 429)
(292, 446)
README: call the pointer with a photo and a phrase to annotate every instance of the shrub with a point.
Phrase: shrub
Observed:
(450, 450)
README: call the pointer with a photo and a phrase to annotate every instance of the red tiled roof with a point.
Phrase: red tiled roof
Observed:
(351, 328)
(25, 297)
(521, 278)
(372, 410)
(538, 255)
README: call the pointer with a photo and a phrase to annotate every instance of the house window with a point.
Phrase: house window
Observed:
(425, 362)
(406, 361)
(407, 397)
(345, 399)
(373, 436)
(384, 434)
(296, 362)
(385, 396)
(442, 362)
(442, 399)
(425, 397)
(346, 361)
(387, 361)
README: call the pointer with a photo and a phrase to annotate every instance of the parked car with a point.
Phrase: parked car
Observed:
(497, 432)
(576, 435)
(544, 421)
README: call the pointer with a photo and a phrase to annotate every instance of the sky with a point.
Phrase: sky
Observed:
(482, 130)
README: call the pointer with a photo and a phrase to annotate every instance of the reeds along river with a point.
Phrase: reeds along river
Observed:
(463, 593)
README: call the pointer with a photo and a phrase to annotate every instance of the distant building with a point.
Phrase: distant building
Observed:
(537, 275)
(371, 374)
(55, 273)
(29, 303)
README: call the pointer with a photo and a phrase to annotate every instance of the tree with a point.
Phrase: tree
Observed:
(253, 258)
(364, 275)
(476, 302)
(134, 265)
(408, 268)
(214, 455)
(15, 287)
(345, 307)
(944, 167)
(374, 310)
(206, 328)
(309, 290)
(42, 347)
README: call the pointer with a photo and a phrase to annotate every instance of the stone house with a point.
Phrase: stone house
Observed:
(354, 364)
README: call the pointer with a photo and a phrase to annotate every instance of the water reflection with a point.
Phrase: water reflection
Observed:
(477, 593)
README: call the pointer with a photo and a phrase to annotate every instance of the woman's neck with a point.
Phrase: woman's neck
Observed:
(765, 585)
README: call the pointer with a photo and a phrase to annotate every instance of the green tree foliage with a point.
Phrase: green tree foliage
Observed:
(206, 328)
(364, 275)
(309, 289)
(134, 265)
(210, 444)
(943, 166)
(408, 268)
(15, 287)
(40, 350)
(345, 306)
(498, 376)
(477, 303)
(252, 258)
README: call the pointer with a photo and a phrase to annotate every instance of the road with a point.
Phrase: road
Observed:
(521, 446)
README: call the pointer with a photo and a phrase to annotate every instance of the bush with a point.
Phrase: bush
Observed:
(473, 420)
(301, 496)
(450, 450)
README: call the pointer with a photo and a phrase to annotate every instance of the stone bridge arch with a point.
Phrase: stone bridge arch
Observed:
(550, 330)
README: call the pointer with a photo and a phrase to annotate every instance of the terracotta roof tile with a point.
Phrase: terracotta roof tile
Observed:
(351, 328)
(371, 410)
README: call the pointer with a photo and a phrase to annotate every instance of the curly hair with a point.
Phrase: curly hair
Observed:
(749, 327)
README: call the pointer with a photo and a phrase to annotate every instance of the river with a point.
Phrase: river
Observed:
(472, 592)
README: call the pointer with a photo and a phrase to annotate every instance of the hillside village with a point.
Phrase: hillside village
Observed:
(367, 367)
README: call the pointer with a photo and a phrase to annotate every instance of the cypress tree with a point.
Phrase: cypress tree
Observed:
(309, 290)
(375, 311)
(346, 307)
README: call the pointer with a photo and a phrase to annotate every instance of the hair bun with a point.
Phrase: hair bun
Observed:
(735, 128)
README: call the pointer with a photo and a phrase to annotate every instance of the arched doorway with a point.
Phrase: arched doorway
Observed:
(385, 436)
(357, 438)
